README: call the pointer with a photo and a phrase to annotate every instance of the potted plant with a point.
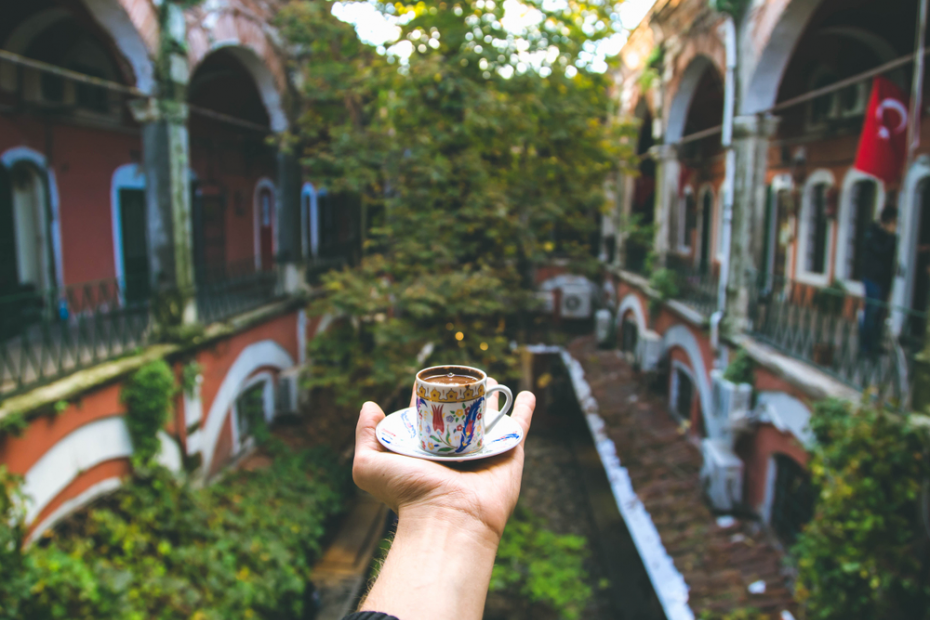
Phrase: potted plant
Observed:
(732, 390)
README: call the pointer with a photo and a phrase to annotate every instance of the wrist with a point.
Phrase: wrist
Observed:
(421, 518)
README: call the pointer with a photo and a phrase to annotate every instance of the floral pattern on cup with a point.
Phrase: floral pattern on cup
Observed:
(450, 419)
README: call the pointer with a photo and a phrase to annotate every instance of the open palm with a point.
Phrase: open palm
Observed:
(485, 490)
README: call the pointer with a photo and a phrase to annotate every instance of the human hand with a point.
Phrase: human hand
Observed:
(480, 493)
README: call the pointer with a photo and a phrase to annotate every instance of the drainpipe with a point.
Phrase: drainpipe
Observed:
(728, 30)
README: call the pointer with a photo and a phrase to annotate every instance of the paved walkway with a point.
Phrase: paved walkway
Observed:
(718, 563)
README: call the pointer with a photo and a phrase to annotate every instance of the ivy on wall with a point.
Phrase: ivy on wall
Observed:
(865, 552)
(148, 396)
(734, 8)
(159, 548)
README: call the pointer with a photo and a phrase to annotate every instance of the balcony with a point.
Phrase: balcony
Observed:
(697, 286)
(824, 327)
(45, 335)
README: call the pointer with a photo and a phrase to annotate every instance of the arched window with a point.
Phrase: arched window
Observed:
(861, 200)
(814, 229)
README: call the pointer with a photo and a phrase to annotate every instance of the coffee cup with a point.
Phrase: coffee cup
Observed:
(451, 404)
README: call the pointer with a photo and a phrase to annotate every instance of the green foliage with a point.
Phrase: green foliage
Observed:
(743, 613)
(734, 8)
(741, 369)
(470, 180)
(654, 66)
(157, 548)
(541, 566)
(13, 423)
(189, 375)
(148, 397)
(860, 556)
(664, 282)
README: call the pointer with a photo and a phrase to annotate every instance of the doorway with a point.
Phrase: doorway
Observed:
(135, 252)
(266, 226)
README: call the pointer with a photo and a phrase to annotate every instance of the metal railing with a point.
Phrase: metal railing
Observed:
(224, 291)
(697, 286)
(866, 344)
(47, 334)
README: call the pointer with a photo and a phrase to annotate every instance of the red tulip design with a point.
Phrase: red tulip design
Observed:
(438, 424)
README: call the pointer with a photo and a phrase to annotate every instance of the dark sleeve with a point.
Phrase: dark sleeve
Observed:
(369, 615)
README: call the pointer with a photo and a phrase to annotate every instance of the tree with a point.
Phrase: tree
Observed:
(474, 167)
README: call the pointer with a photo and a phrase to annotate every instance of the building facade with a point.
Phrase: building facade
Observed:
(747, 198)
(143, 197)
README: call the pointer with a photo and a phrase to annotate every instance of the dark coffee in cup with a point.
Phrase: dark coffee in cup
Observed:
(451, 379)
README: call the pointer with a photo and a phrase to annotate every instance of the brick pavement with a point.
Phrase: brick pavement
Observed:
(718, 563)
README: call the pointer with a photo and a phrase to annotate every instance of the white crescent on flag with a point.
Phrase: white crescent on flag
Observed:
(891, 104)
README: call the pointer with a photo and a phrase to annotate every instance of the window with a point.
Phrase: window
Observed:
(682, 391)
(814, 229)
(687, 218)
(859, 214)
(793, 501)
(250, 411)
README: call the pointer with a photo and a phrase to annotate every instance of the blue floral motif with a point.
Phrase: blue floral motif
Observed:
(471, 418)
(412, 431)
(506, 437)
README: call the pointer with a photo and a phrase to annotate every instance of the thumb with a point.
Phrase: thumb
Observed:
(368, 419)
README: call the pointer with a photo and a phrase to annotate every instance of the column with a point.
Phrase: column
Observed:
(290, 250)
(750, 143)
(168, 198)
(667, 172)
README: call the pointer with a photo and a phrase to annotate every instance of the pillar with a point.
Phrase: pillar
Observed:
(290, 249)
(751, 136)
(667, 172)
(166, 158)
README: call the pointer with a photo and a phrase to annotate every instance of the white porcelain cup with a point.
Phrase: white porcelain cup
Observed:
(450, 417)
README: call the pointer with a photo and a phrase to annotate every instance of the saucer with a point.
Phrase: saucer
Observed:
(397, 432)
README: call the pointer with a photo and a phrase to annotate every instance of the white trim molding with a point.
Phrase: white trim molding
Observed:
(102, 440)
(846, 212)
(11, 157)
(310, 221)
(818, 177)
(680, 336)
(104, 487)
(632, 302)
(128, 176)
(902, 293)
(266, 380)
(266, 353)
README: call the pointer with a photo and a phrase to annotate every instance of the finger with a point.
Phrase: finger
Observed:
(493, 402)
(523, 410)
(368, 419)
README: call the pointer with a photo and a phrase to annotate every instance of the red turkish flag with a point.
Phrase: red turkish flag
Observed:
(883, 145)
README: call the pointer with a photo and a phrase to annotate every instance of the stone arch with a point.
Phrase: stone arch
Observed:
(243, 38)
(681, 337)
(779, 27)
(684, 95)
(133, 26)
(95, 443)
(632, 303)
(263, 354)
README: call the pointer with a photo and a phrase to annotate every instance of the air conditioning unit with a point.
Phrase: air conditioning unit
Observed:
(648, 350)
(575, 302)
(721, 475)
(731, 402)
(286, 399)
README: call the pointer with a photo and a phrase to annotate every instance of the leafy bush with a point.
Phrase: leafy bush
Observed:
(159, 549)
(860, 556)
(665, 283)
(541, 566)
(148, 397)
(741, 369)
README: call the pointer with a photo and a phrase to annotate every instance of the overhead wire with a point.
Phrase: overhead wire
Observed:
(131, 91)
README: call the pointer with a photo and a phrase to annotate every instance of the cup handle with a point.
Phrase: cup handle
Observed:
(508, 401)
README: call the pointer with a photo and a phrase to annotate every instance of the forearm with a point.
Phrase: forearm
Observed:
(439, 566)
